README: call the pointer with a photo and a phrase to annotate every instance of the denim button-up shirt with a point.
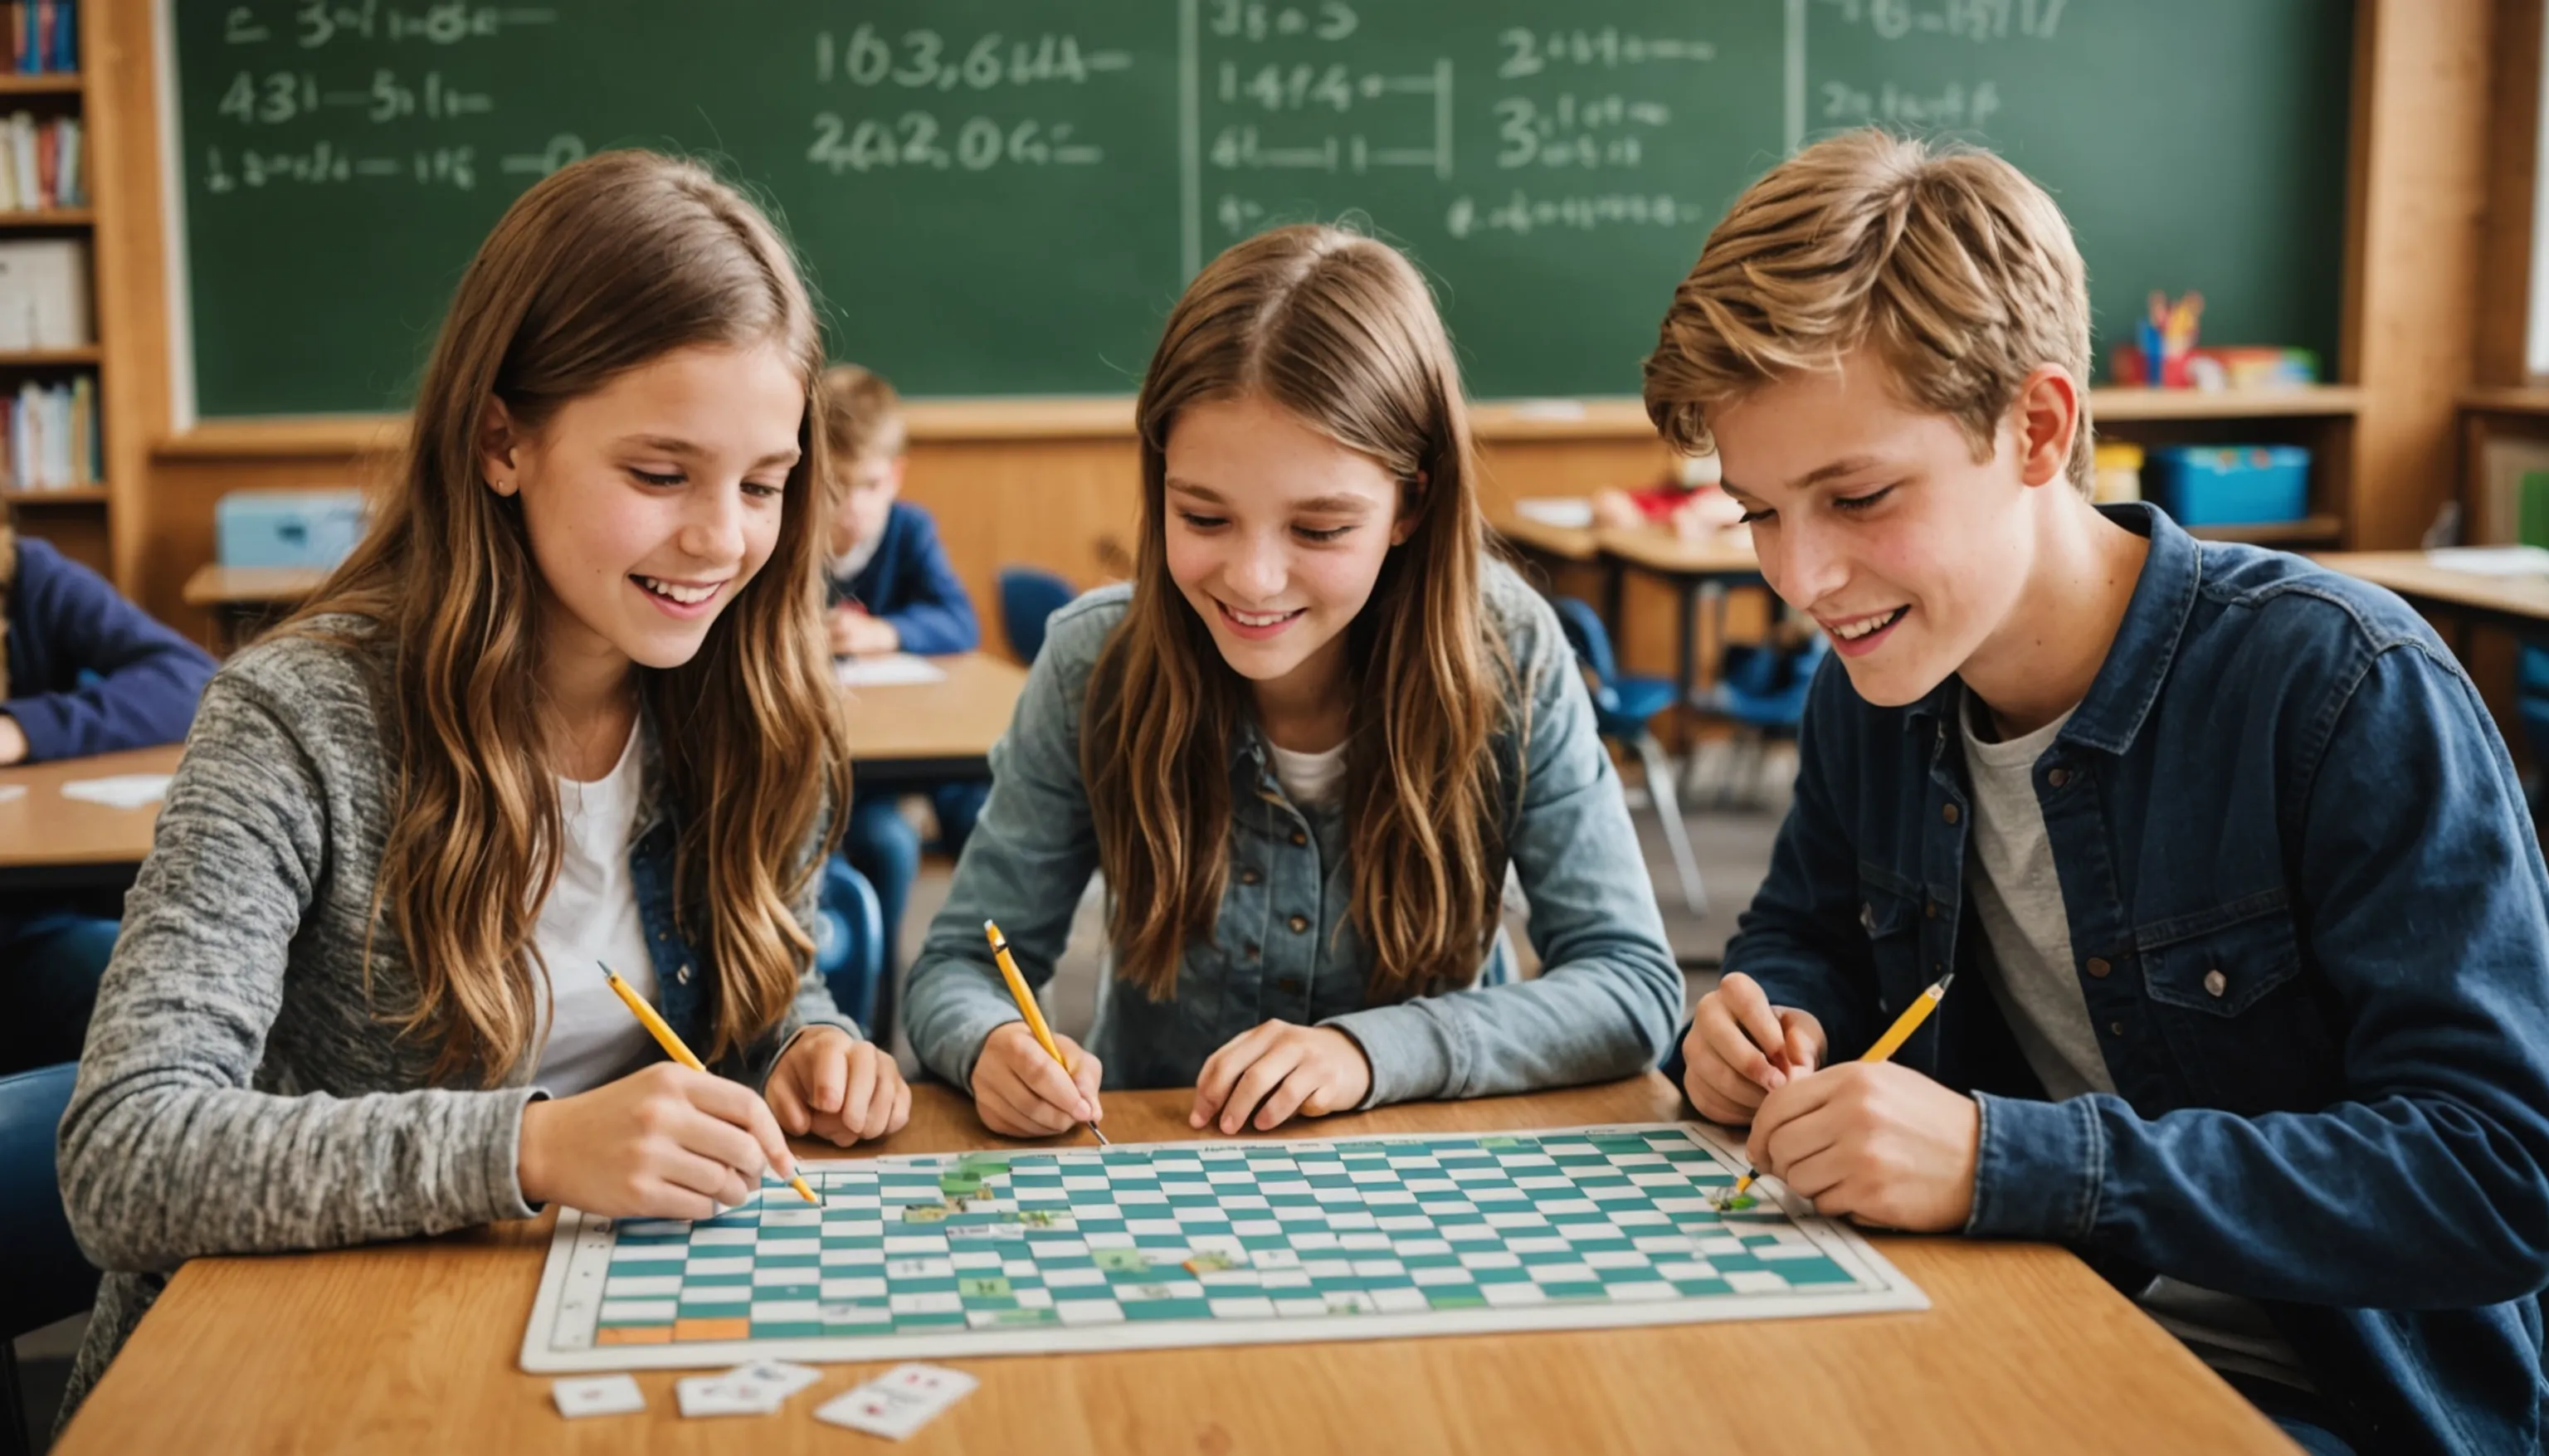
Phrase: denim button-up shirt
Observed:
(1282, 946)
(2307, 909)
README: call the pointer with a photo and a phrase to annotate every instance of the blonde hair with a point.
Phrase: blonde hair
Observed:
(861, 414)
(598, 269)
(1337, 330)
(1958, 269)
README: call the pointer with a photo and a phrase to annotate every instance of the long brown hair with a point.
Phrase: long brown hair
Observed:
(597, 269)
(1339, 330)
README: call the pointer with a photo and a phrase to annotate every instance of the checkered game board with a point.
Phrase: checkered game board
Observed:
(1180, 1243)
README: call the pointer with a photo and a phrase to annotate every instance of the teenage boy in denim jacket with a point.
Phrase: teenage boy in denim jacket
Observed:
(2252, 995)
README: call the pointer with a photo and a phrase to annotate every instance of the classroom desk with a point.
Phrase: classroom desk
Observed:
(49, 842)
(2519, 604)
(412, 1346)
(1687, 567)
(239, 597)
(916, 732)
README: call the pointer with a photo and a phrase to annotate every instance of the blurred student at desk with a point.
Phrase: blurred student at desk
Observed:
(1688, 501)
(83, 672)
(891, 589)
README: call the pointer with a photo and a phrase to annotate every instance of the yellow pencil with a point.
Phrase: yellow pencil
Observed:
(1886, 1045)
(1026, 1000)
(673, 1047)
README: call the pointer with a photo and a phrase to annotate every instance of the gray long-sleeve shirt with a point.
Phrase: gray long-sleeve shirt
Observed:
(244, 1088)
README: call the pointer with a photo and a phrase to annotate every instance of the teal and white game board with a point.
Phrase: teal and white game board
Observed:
(1189, 1243)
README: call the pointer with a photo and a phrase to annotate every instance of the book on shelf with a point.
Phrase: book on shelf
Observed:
(44, 295)
(43, 36)
(49, 437)
(39, 163)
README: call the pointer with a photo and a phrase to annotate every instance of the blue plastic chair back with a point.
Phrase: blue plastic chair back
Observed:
(1767, 688)
(1586, 634)
(1029, 595)
(44, 1277)
(849, 941)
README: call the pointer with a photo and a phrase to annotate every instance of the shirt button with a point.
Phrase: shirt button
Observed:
(1249, 877)
(2058, 776)
(1252, 949)
(1290, 985)
(1931, 910)
(2098, 967)
(683, 975)
(2115, 1027)
(1948, 813)
(2215, 982)
(1299, 838)
(1299, 923)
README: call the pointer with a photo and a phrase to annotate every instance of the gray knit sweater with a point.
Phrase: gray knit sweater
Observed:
(242, 1091)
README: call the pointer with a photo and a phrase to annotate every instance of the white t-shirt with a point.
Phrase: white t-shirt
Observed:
(591, 915)
(855, 559)
(2018, 897)
(1310, 779)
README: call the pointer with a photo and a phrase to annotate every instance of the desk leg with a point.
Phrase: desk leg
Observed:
(1686, 665)
(1613, 597)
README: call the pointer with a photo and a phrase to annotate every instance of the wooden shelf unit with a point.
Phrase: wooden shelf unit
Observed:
(82, 521)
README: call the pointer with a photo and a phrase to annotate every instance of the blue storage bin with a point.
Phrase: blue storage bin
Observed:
(2228, 485)
(293, 528)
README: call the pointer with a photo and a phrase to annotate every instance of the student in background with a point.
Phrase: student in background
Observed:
(82, 672)
(565, 704)
(891, 590)
(1303, 744)
(2249, 929)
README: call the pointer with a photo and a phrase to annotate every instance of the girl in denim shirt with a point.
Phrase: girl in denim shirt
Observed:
(1303, 745)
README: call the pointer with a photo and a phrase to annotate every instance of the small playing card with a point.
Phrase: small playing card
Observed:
(777, 1378)
(599, 1395)
(899, 1401)
(714, 1394)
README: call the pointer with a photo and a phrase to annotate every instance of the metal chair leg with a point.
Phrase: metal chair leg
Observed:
(1659, 788)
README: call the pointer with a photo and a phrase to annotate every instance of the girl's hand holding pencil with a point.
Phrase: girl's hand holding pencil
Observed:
(662, 1143)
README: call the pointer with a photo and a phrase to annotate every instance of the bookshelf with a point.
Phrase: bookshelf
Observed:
(77, 519)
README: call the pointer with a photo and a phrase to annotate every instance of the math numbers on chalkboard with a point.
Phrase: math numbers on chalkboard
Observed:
(1257, 20)
(1973, 20)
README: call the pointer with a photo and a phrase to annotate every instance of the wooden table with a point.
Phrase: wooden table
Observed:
(916, 732)
(49, 842)
(412, 1346)
(241, 598)
(2520, 604)
(1687, 567)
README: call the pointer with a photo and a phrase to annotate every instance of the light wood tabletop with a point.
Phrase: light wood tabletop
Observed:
(49, 839)
(412, 1346)
(2521, 602)
(286, 586)
(1667, 554)
(934, 730)
(1561, 543)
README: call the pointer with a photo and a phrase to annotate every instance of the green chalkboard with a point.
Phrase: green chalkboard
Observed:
(1003, 197)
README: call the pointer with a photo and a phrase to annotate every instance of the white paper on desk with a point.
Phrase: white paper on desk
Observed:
(1572, 513)
(2492, 561)
(895, 670)
(121, 791)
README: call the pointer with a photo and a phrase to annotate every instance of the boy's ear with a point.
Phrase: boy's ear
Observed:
(2048, 420)
(497, 445)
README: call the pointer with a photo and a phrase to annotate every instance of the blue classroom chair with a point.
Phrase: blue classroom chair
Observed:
(44, 1277)
(1028, 595)
(1622, 705)
(1762, 692)
(849, 943)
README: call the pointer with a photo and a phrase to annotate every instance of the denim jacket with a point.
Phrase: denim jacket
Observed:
(2308, 908)
(1282, 946)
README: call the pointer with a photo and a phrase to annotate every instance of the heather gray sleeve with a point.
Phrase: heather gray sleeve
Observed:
(168, 1151)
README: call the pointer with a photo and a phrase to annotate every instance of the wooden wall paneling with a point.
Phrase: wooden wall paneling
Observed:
(131, 259)
(2416, 202)
(2513, 172)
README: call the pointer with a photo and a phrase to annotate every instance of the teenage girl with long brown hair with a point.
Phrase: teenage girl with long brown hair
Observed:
(568, 703)
(1303, 744)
